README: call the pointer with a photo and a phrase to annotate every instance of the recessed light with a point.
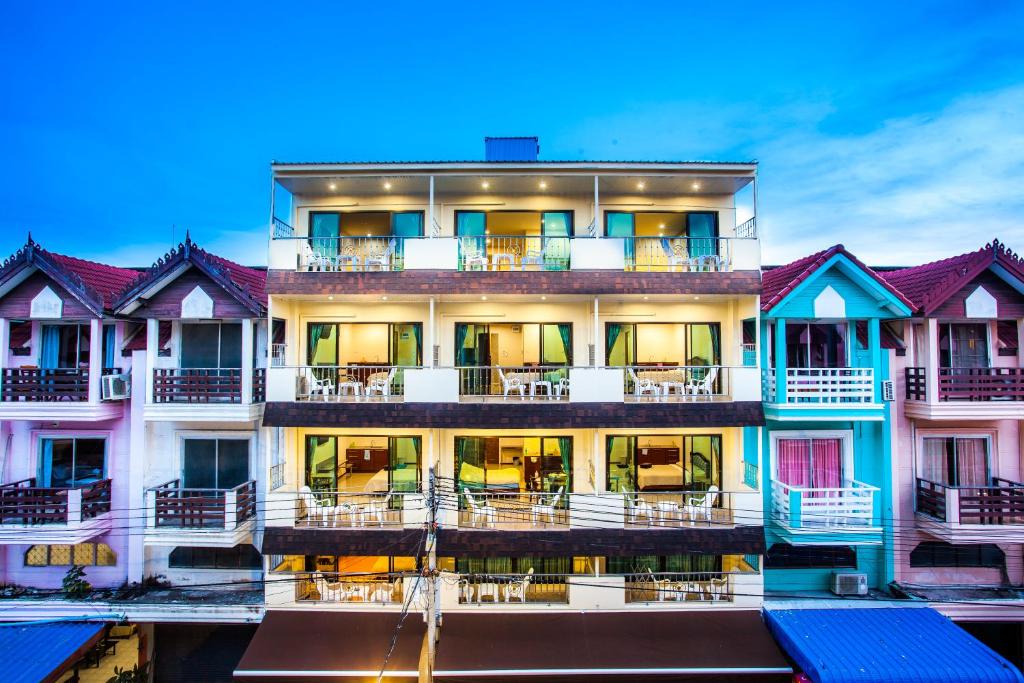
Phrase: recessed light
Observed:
(330, 298)
(483, 298)
(696, 298)
(383, 298)
(696, 186)
(543, 298)
(543, 185)
(645, 298)
(661, 225)
(369, 235)
(332, 186)
(640, 185)
(387, 186)
(485, 184)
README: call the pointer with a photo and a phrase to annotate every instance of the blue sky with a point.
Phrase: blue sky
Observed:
(895, 128)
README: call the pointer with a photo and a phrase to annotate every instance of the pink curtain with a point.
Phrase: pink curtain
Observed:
(933, 461)
(971, 462)
(828, 463)
(794, 462)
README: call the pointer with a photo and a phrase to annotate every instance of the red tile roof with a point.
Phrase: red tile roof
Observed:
(105, 280)
(777, 283)
(251, 280)
(930, 284)
(140, 341)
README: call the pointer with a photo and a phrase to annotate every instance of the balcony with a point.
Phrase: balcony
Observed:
(807, 391)
(677, 587)
(352, 510)
(350, 383)
(965, 393)
(319, 588)
(512, 589)
(849, 515)
(971, 514)
(61, 515)
(198, 516)
(58, 394)
(478, 383)
(206, 394)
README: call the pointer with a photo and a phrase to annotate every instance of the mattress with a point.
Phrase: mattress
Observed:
(660, 475)
(499, 478)
(402, 479)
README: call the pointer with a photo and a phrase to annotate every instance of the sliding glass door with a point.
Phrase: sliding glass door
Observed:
(963, 345)
(666, 462)
(513, 464)
(363, 464)
(810, 463)
(955, 461)
(64, 347)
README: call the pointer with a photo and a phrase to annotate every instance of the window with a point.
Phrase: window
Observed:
(955, 461)
(70, 463)
(85, 554)
(679, 564)
(364, 344)
(214, 463)
(963, 345)
(810, 463)
(64, 346)
(513, 344)
(109, 347)
(667, 462)
(511, 464)
(816, 345)
(366, 464)
(211, 345)
(939, 554)
(243, 556)
(785, 556)
(663, 344)
(514, 565)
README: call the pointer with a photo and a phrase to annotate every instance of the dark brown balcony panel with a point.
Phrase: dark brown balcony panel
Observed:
(614, 542)
(438, 282)
(354, 541)
(517, 415)
(45, 385)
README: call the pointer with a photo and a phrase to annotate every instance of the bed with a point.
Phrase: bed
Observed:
(663, 477)
(502, 478)
(403, 479)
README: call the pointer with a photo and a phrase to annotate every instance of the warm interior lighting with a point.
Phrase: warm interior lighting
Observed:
(543, 298)
(485, 184)
(696, 186)
(332, 187)
(387, 186)
(383, 298)
(543, 185)
(483, 298)
(640, 185)
(330, 298)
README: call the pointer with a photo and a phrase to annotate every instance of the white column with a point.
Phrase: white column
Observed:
(599, 358)
(95, 358)
(430, 210)
(142, 377)
(931, 360)
(431, 339)
(5, 337)
(1020, 343)
(597, 211)
(247, 360)
(152, 340)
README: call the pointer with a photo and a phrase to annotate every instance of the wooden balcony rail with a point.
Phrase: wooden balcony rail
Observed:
(349, 382)
(332, 587)
(822, 385)
(1001, 503)
(679, 254)
(651, 586)
(981, 384)
(481, 589)
(22, 502)
(259, 385)
(659, 382)
(346, 509)
(39, 384)
(197, 385)
(514, 252)
(853, 505)
(169, 505)
(518, 382)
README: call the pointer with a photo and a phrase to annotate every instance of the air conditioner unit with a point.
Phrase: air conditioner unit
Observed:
(849, 584)
(115, 387)
(888, 390)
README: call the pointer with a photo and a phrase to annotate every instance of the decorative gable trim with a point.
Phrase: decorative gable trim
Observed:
(829, 304)
(197, 305)
(981, 304)
(32, 257)
(46, 304)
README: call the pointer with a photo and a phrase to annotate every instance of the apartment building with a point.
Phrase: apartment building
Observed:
(557, 363)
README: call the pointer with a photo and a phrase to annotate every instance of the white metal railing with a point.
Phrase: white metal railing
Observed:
(349, 382)
(692, 382)
(651, 509)
(854, 504)
(822, 385)
(348, 509)
(514, 252)
(277, 355)
(747, 229)
(481, 589)
(679, 254)
(678, 586)
(512, 509)
(371, 253)
(532, 381)
(333, 587)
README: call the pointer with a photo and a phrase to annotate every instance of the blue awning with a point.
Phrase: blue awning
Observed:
(41, 652)
(885, 645)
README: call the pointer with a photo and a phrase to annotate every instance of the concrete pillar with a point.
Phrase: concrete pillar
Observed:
(780, 360)
(931, 360)
(875, 349)
(142, 376)
(149, 366)
(95, 358)
(5, 342)
(247, 360)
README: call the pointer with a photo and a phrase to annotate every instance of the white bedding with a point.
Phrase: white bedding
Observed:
(378, 483)
(660, 475)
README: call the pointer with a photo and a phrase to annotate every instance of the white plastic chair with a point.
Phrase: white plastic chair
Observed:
(533, 257)
(706, 385)
(720, 588)
(637, 508)
(485, 512)
(378, 508)
(384, 260)
(510, 383)
(473, 255)
(517, 588)
(546, 508)
(313, 260)
(379, 383)
(643, 386)
(562, 387)
(323, 386)
(314, 510)
(673, 257)
(700, 507)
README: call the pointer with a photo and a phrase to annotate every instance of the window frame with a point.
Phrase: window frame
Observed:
(216, 436)
(104, 436)
(991, 452)
(844, 435)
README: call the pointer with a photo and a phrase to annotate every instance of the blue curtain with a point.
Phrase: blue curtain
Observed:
(49, 354)
(701, 229)
(324, 230)
(108, 346)
(46, 465)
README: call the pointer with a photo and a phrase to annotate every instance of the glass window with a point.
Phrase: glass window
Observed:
(71, 462)
(324, 229)
(619, 224)
(810, 463)
(940, 554)
(955, 461)
(363, 464)
(84, 554)
(785, 556)
(816, 345)
(64, 346)
(215, 463)
(243, 556)
(679, 564)
(211, 345)
(407, 223)
(963, 345)
(512, 464)
(666, 462)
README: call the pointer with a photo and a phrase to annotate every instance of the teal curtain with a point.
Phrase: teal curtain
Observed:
(701, 231)
(417, 332)
(556, 226)
(614, 330)
(49, 355)
(108, 346)
(405, 224)
(316, 332)
(461, 352)
(565, 332)
(46, 464)
(324, 230)
(471, 227)
(620, 224)
(565, 450)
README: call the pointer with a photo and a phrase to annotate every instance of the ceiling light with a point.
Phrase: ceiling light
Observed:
(645, 298)
(696, 298)
(661, 225)
(696, 186)
(387, 186)
(483, 298)
(330, 298)
(332, 186)
(640, 185)
(543, 185)
(543, 298)
(383, 298)
(485, 184)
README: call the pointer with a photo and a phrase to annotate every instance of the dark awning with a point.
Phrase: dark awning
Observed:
(597, 646)
(886, 645)
(332, 646)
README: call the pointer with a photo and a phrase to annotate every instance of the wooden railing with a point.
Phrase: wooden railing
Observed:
(22, 502)
(850, 506)
(190, 508)
(968, 384)
(1001, 503)
(197, 385)
(823, 385)
(39, 384)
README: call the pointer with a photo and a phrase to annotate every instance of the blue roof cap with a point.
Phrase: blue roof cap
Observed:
(33, 652)
(885, 645)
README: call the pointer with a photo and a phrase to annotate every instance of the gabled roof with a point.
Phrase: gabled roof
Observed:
(931, 284)
(778, 283)
(247, 285)
(94, 284)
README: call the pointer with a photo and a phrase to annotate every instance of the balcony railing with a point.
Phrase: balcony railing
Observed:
(823, 386)
(678, 587)
(514, 252)
(968, 384)
(656, 383)
(201, 508)
(513, 510)
(347, 509)
(350, 382)
(382, 253)
(679, 254)
(197, 385)
(1001, 503)
(677, 509)
(853, 505)
(483, 589)
(332, 587)
(39, 384)
(22, 502)
(515, 382)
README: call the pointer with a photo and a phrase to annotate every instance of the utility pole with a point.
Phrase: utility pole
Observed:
(431, 575)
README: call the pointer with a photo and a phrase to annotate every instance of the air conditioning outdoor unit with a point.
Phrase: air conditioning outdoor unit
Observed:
(849, 584)
(115, 387)
(888, 390)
